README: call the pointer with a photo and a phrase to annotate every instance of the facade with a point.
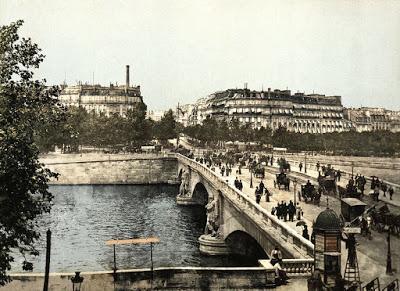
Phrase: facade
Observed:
(155, 115)
(313, 113)
(101, 99)
(371, 119)
(184, 114)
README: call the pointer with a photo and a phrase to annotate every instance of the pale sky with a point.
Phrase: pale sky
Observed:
(180, 51)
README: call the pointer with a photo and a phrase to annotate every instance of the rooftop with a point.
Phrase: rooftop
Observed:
(276, 94)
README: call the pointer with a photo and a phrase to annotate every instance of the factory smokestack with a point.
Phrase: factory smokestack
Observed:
(127, 77)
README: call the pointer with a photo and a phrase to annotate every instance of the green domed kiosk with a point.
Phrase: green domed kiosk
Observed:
(327, 254)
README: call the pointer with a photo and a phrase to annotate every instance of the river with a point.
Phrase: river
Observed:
(83, 218)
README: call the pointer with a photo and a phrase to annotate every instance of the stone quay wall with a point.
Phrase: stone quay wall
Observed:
(114, 169)
(184, 278)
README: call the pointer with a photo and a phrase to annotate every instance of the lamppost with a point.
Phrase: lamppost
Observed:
(251, 177)
(352, 168)
(294, 190)
(305, 162)
(389, 270)
(76, 282)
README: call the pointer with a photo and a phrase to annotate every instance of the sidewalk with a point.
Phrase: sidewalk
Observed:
(371, 253)
(343, 182)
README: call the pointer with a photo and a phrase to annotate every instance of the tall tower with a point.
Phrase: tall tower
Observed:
(127, 78)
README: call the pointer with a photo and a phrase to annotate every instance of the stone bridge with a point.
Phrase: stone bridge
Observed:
(235, 223)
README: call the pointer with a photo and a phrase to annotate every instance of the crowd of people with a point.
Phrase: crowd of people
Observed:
(238, 184)
(291, 211)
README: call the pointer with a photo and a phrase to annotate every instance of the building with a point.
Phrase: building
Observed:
(313, 113)
(97, 98)
(371, 119)
(155, 115)
(184, 114)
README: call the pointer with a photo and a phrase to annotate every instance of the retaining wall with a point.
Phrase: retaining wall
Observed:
(140, 170)
(185, 278)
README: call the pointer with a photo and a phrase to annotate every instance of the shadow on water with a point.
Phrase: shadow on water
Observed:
(84, 217)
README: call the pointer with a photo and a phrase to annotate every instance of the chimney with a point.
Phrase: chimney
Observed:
(127, 78)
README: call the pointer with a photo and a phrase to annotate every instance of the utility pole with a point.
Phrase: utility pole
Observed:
(389, 270)
(305, 162)
(47, 268)
(251, 178)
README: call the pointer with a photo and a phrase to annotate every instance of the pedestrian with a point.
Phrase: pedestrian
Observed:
(284, 211)
(300, 166)
(278, 210)
(318, 165)
(384, 189)
(338, 175)
(273, 211)
(267, 195)
(258, 196)
(241, 185)
(305, 232)
(376, 193)
(391, 191)
(261, 186)
(299, 211)
(276, 256)
(291, 210)
(236, 183)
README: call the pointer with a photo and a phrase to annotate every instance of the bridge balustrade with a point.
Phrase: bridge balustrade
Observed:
(345, 174)
(303, 245)
(297, 266)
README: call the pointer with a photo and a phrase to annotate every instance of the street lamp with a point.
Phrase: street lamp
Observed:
(76, 282)
(294, 191)
(305, 162)
(251, 177)
(389, 270)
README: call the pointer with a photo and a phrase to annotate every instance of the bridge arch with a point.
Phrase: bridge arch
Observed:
(200, 194)
(245, 246)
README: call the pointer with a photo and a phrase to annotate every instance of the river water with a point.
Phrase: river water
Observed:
(83, 218)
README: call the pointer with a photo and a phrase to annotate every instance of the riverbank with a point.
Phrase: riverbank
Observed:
(183, 278)
(111, 169)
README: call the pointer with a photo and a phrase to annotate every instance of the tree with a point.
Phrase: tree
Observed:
(165, 129)
(24, 191)
(138, 128)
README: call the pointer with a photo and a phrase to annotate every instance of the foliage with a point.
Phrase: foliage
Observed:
(381, 143)
(25, 105)
(82, 128)
(166, 128)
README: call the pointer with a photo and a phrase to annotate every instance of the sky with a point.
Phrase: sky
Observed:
(181, 50)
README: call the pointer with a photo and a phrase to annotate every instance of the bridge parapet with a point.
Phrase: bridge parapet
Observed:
(277, 229)
(292, 266)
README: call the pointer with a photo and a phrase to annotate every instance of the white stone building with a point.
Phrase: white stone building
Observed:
(97, 98)
(371, 119)
(313, 113)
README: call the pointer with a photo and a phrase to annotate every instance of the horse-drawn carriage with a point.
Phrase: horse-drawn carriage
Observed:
(351, 190)
(282, 180)
(352, 208)
(309, 193)
(327, 184)
(284, 165)
(259, 171)
(384, 219)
